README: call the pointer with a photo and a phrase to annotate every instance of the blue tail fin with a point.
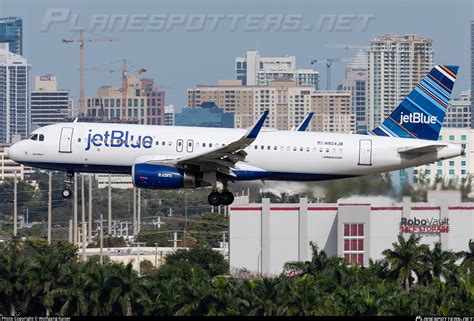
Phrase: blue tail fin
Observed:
(421, 113)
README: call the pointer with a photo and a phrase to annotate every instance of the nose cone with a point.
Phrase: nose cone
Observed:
(14, 152)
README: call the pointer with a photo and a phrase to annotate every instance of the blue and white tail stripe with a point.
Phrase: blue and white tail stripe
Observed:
(421, 113)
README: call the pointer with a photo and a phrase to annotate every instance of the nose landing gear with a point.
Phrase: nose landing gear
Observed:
(67, 191)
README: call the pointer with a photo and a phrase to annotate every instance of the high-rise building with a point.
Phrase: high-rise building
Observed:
(458, 113)
(11, 32)
(355, 81)
(255, 70)
(208, 115)
(156, 102)
(144, 103)
(169, 115)
(287, 102)
(396, 65)
(15, 112)
(48, 104)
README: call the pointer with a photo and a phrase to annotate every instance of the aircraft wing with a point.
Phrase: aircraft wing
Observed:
(223, 159)
(420, 150)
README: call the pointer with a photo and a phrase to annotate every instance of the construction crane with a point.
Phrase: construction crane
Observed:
(328, 62)
(124, 71)
(81, 42)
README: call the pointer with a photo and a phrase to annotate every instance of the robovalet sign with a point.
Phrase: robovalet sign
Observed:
(425, 226)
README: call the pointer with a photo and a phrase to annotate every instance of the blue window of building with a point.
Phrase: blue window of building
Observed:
(440, 137)
(451, 137)
(463, 171)
(463, 163)
(463, 137)
(451, 163)
(451, 172)
(440, 163)
(439, 172)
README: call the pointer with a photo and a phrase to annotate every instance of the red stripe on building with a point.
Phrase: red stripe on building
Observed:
(424, 208)
(386, 208)
(322, 208)
(465, 208)
(354, 204)
(245, 208)
(284, 208)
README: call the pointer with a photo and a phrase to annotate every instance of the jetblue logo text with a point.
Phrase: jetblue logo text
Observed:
(417, 118)
(118, 138)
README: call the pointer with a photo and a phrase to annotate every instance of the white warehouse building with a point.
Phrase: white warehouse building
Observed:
(263, 237)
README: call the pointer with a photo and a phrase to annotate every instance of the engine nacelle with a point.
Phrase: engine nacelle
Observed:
(157, 176)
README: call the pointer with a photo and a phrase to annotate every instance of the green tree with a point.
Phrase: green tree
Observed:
(467, 263)
(208, 259)
(406, 258)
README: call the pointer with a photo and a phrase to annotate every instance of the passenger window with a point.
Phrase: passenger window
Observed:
(275, 147)
(295, 149)
(169, 143)
(255, 147)
(203, 144)
(314, 149)
(307, 149)
(269, 147)
(163, 143)
(301, 149)
(287, 148)
(282, 148)
(210, 144)
(157, 143)
(262, 147)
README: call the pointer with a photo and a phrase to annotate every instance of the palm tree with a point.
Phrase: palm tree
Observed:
(439, 262)
(70, 291)
(96, 288)
(125, 288)
(319, 261)
(42, 276)
(12, 280)
(467, 263)
(406, 258)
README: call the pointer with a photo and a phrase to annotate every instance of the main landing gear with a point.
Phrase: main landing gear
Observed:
(67, 191)
(224, 198)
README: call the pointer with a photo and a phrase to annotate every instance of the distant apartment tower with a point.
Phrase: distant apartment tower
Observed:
(208, 115)
(169, 115)
(254, 69)
(332, 112)
(355, 81)
(15, 112)
(287, 102)
(144, 104)
(396, 65)
(156, 102)
(459, 113)
(11, 32)
(48, 104)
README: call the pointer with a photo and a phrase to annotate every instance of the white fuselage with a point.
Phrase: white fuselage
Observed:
(285, 155)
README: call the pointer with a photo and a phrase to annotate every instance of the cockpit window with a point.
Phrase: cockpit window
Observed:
(34, 137)
(41, 137)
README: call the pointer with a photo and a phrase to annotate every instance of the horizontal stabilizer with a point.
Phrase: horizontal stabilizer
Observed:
(420, 150)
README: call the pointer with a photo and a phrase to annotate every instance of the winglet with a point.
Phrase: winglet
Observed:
(255, 129)
(304, 124)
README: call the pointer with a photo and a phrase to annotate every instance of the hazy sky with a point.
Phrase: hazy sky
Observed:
(182, 57)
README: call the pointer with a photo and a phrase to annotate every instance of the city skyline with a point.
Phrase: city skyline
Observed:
(208, 56)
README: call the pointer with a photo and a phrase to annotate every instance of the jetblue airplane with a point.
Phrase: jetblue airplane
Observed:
(167, 157)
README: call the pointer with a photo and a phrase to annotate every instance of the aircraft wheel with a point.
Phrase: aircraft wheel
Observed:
(214, 199)
(227, 198)
(66, 193)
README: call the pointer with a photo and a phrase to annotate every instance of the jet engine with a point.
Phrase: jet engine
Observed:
(156, 176)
